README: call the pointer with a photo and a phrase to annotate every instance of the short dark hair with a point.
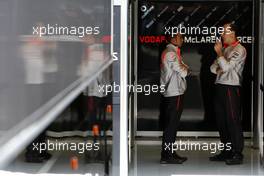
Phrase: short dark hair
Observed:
(233, 27)
(170, 37)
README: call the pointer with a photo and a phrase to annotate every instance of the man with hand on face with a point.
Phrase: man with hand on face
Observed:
(229, 67)
(173, 73)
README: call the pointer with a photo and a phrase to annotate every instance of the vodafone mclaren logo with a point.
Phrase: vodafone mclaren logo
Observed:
(149, 39)
(152, 39)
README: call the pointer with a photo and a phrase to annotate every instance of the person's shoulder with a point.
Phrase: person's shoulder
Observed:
(240, 48)
(168, 55)
(239, 51)
(170, 48)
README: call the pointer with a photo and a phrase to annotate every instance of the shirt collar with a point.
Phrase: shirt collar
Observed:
(176, 48)
(234, 44)
(173, 46)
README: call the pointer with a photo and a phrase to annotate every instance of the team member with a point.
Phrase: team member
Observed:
(228, 67)
(173, 73)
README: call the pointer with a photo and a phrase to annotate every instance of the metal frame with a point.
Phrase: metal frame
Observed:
(133, 96)
(135, 31)
(116, 96)
(189, 133)
(134, 41)
(185, 134)
(123, 167)
(260, 81)
(255, 73)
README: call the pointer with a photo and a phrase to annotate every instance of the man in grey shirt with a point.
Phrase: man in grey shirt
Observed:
(228, 68)
(173, 73)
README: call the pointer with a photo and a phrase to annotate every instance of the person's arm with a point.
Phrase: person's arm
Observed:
(173, 62)
(186, 67)
(214, 67)
(230, 63)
